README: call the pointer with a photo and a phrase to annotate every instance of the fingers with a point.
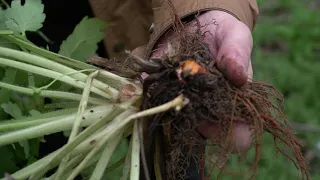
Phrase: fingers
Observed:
(240, 139)
(139, 51)
(234, 42)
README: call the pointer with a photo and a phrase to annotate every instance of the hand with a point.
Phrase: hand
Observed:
(230, 42)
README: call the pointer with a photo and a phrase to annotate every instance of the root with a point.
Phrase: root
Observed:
(215, 101)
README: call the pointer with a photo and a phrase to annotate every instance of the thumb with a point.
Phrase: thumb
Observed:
(234, 41)
(140, 52)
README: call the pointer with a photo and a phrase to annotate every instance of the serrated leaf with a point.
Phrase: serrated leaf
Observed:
(4, 42)
(28, 17)
(83, 41)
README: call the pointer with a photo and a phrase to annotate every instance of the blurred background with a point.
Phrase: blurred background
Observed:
(286, 54)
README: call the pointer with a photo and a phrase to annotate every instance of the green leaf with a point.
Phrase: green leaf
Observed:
(28, 17)
(82, 43)
(12, 109)
(34, 112)
(5, 95)
(7, 164)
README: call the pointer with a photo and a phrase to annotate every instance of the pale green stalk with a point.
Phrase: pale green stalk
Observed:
(126, 167)
(51, 94)
(121, 80)
(62, 105)
(105, 157)
(82, 148)
(82, 136)
(82, 106)
(135, 154)
(25, 43)
(88, 142)
(77, 123)
(70, 168)
(50, 114)
(9, 125)
(93, 152)
(56, 79)
(63, 124)
(56, 67)
(116, 125)
(72, 163)
(49, 73)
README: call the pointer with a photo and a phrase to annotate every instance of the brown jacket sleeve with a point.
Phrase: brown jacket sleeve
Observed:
(130, 20)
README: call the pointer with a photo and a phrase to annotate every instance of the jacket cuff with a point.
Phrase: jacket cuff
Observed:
(244, 10)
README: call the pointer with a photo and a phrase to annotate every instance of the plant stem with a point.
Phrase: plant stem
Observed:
(62, 105)
(15, 125)
(62, 124)
(84, 147)
(105, 157)
(49, 64)
(77, 123)
(119, 79)
(117, 124)
(44, 37)
(49, 73)
(135, 154)
(126, 167)
(6, 32)
(98, 136)
(24, 173)
(97, 147)
(56, 79)
(116, 165)
(51, 114)
(82, 106)
(5, 3)
(51, 94)
(23, 42)
(82, 136)
(73, 162)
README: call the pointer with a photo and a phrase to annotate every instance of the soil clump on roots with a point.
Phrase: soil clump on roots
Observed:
(212, 99)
